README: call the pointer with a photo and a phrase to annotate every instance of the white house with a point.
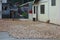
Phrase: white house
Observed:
(47, 10)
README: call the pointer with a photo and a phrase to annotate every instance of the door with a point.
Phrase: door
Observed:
(43, 12)
(36, 12)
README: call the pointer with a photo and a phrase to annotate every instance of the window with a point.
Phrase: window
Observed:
(42, 8)
(53, 2)
(34, 9)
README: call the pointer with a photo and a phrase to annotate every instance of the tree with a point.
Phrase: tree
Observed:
(20, 1)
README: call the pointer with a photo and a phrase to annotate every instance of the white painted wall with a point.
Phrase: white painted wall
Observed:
(36, 11)
(30, 16)
(43, 0)
(34, 15)
(43, 17)
(54, 12)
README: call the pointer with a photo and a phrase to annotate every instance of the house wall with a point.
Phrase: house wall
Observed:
(30, 13)
(54, 12)
(34, 15)
(43, 17)
(36, 11)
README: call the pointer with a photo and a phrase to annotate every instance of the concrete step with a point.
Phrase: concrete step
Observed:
(28, 39)
(7, 39)
(34, 39)
(4, 35)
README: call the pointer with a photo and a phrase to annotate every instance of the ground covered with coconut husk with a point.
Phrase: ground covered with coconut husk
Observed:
(29, 29)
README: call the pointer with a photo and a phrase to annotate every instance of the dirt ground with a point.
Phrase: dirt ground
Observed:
(29, 29)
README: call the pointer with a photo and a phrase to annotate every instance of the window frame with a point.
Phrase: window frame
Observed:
(53, 2)
(42, 9)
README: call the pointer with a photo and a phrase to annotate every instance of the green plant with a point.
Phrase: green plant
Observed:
(24, 14)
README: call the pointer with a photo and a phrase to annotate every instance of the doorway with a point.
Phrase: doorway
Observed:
(36, 12)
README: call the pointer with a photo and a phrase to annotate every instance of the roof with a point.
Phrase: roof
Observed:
(26, 3)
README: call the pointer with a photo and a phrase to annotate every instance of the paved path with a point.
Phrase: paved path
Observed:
(5, 36)
(21, 28)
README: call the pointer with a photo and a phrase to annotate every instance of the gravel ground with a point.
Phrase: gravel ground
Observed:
(30, 29)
